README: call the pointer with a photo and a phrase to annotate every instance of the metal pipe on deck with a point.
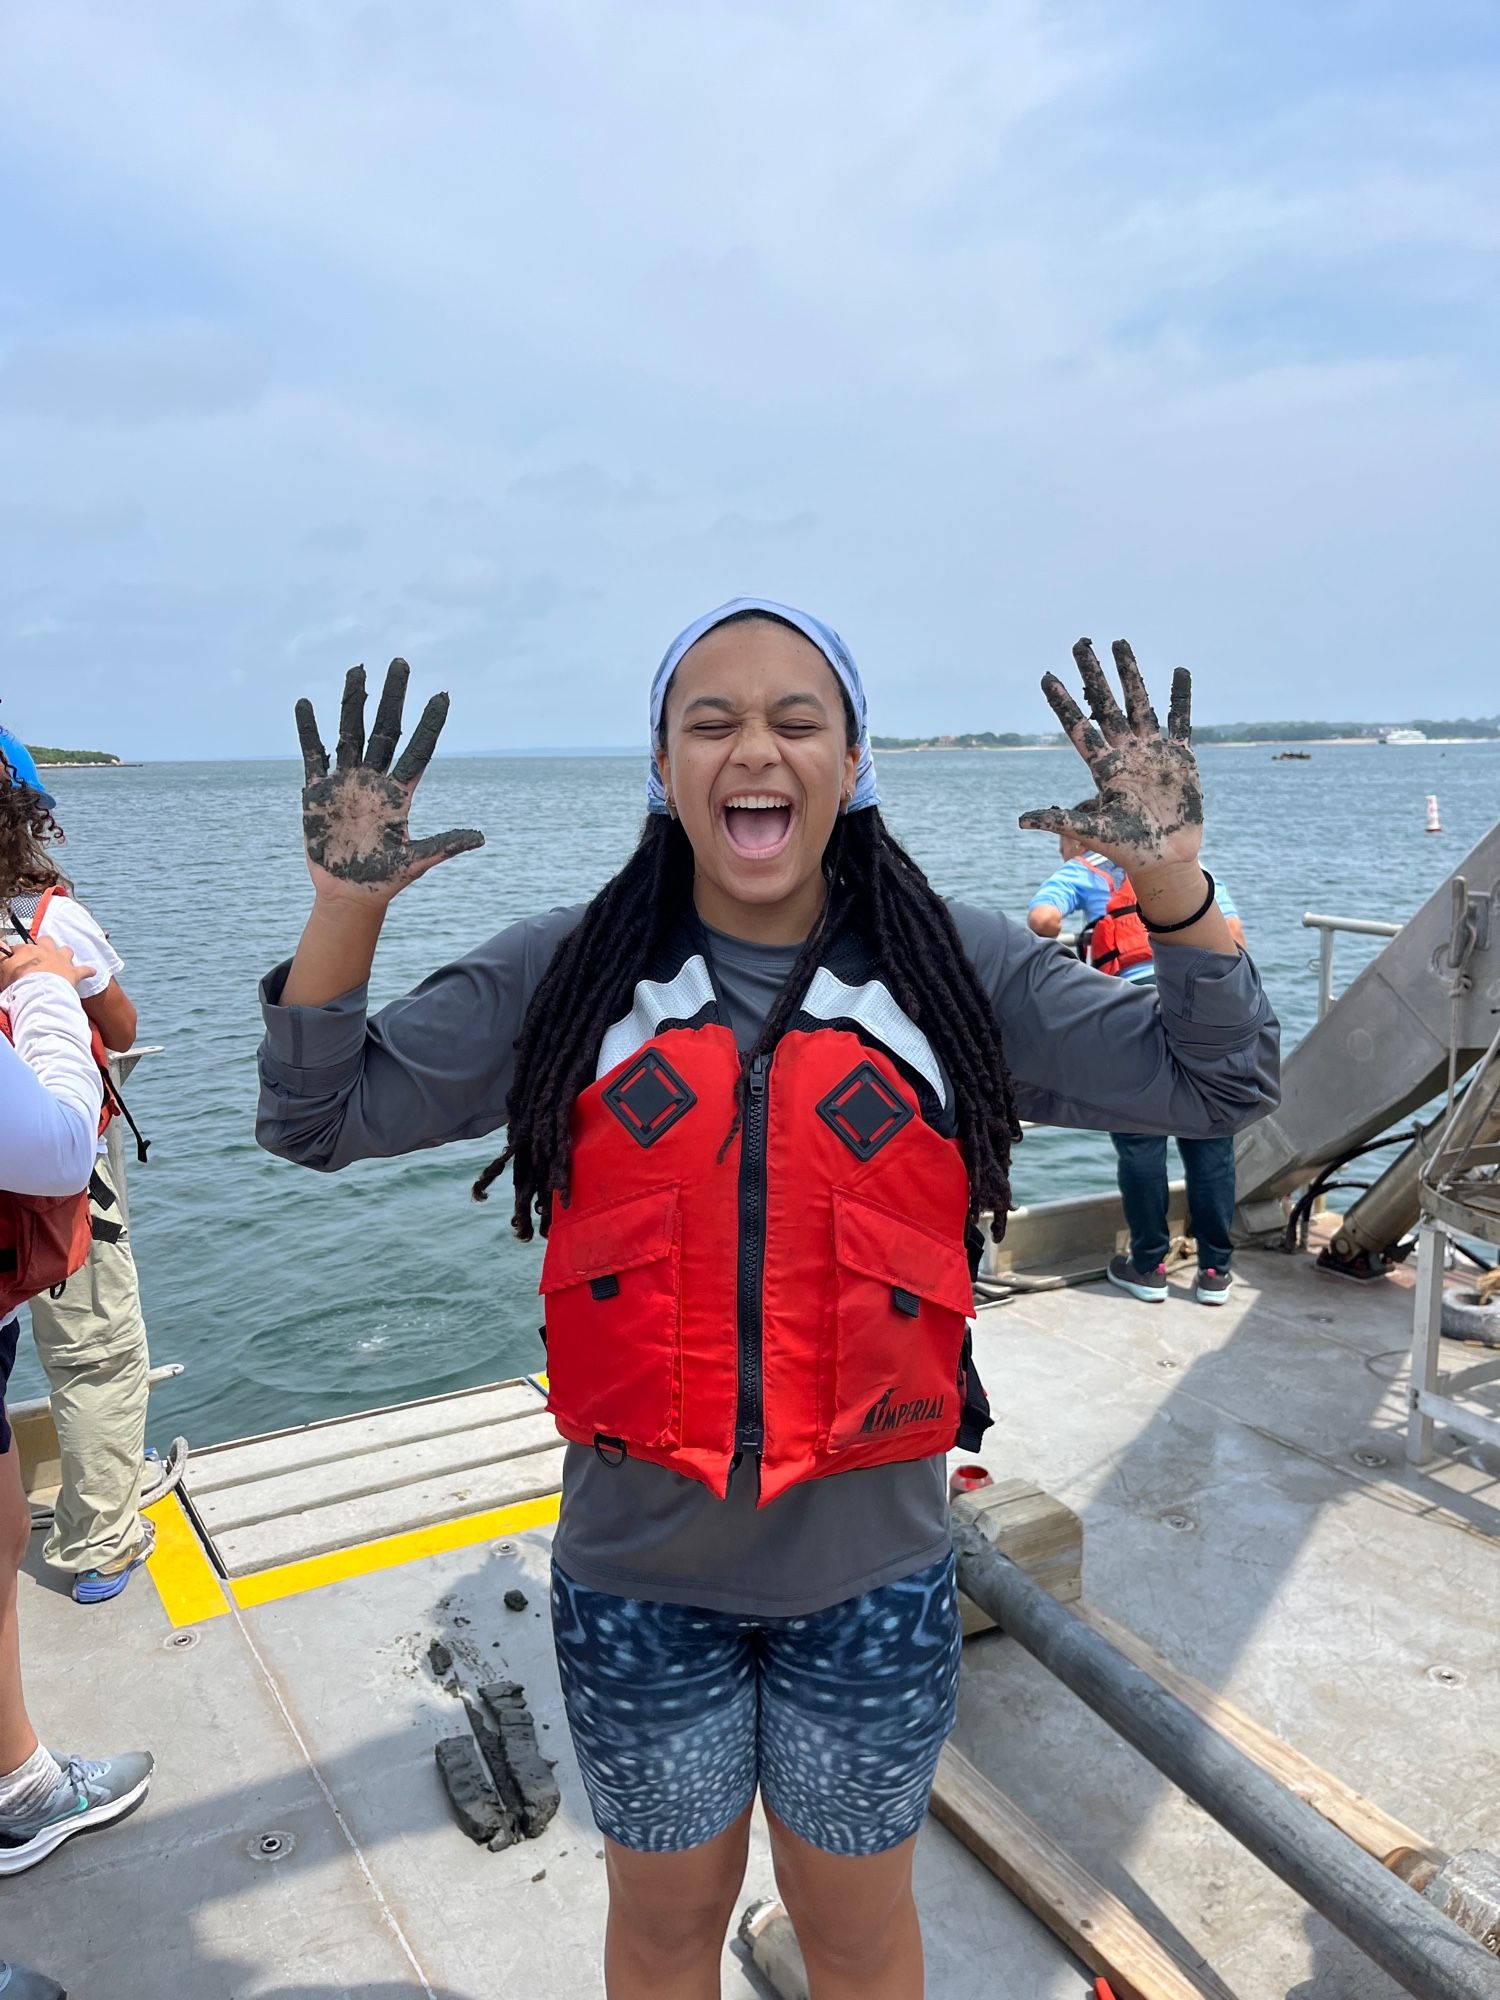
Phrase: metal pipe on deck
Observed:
(1418, 1946)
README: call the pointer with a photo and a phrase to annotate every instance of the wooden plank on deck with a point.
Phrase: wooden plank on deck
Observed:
(344, 1523)
(348, 1437)
(1103, 1931)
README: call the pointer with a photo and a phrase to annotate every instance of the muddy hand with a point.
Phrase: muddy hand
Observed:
(1148, 807)
(354, 816)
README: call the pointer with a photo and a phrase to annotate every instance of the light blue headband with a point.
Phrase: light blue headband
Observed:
(828, 643)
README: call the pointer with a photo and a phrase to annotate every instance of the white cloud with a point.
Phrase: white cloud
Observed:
(322, 636)
(585, 486)
(143, 376)
(336, 538)
(70, 524)
(972, 328)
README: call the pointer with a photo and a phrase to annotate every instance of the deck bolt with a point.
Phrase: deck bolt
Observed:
(1448, 1677)
(1369, 1456)
(178, 1642)
(1166, 1361)
(1183, 1523)
(274, 1846)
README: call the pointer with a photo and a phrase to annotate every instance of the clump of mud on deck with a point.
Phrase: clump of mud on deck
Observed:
(501, 1787)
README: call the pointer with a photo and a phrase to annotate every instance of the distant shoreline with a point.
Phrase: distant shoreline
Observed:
(601, 751)
(1232, 743)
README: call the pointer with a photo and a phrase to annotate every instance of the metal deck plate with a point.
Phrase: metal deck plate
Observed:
(1246, 1505)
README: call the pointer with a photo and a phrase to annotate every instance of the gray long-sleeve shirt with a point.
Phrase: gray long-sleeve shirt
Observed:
(1194, 1056)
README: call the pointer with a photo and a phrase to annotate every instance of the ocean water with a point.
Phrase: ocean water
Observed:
(292, 1296)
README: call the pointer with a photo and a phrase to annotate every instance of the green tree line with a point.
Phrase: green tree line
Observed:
(45, 753)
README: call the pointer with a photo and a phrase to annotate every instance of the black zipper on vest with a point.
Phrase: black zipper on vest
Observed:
(749, 1433)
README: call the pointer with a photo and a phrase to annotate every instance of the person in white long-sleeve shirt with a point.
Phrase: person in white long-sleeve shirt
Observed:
(91, 1335)
(50, 1096)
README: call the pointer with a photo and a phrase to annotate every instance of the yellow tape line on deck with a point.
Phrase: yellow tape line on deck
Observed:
(185, 1579)
(191, 1589)
(291, 1579)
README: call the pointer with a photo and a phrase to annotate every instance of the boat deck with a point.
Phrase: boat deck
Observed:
(1246, 1507)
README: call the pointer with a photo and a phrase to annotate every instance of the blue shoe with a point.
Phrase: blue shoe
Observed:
(19, 1982)
(90, 1793)
(97, 1586)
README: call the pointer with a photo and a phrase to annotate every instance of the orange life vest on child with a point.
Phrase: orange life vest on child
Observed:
(44, 1238)
(1119, 940)
(801, 1294)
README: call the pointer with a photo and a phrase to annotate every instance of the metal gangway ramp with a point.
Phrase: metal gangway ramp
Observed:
(1425, 1009)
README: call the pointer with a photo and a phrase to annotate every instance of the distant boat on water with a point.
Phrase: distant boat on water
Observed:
(1404, 736)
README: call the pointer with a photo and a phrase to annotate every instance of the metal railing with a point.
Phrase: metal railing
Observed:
(1328, 927)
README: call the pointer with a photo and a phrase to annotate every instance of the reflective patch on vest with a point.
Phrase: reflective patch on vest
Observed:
(656, 1000)
(891, 1416)
(872, 1006)
(865, 1111)
(649, 1098)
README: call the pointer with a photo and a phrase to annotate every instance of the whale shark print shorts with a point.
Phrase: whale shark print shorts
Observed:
(678, 1713)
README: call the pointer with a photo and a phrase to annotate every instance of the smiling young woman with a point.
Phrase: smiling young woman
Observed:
(755, 759)
(755, 1097)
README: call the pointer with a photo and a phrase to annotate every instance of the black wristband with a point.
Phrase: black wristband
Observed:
(1163, 930)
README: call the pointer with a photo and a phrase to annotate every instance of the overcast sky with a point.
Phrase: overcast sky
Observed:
(512, 336)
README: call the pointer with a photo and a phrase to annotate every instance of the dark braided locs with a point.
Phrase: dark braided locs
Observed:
(588, 985)
(874, 886)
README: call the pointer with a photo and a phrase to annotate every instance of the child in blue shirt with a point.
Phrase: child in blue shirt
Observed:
(1083, 886)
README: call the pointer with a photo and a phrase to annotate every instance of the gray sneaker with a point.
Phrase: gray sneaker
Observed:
(1148, 1286)
(92, 1792)
(1213, 1287)
(19, 1982)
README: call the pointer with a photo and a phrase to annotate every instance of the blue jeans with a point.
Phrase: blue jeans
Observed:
(1209, 1167)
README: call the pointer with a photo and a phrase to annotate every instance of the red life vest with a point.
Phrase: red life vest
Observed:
(44, 1238)
(1119, 940)
(804, 1297)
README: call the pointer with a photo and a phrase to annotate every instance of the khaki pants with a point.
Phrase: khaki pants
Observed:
(92, 1344)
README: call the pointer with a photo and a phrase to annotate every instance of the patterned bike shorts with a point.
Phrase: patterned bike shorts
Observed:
(678, 1713)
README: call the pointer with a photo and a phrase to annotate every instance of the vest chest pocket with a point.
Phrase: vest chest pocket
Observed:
(904, 1300)
(610, 1282)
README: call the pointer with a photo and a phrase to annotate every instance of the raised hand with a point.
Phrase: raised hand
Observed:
(1148, 810)
(354, 817)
